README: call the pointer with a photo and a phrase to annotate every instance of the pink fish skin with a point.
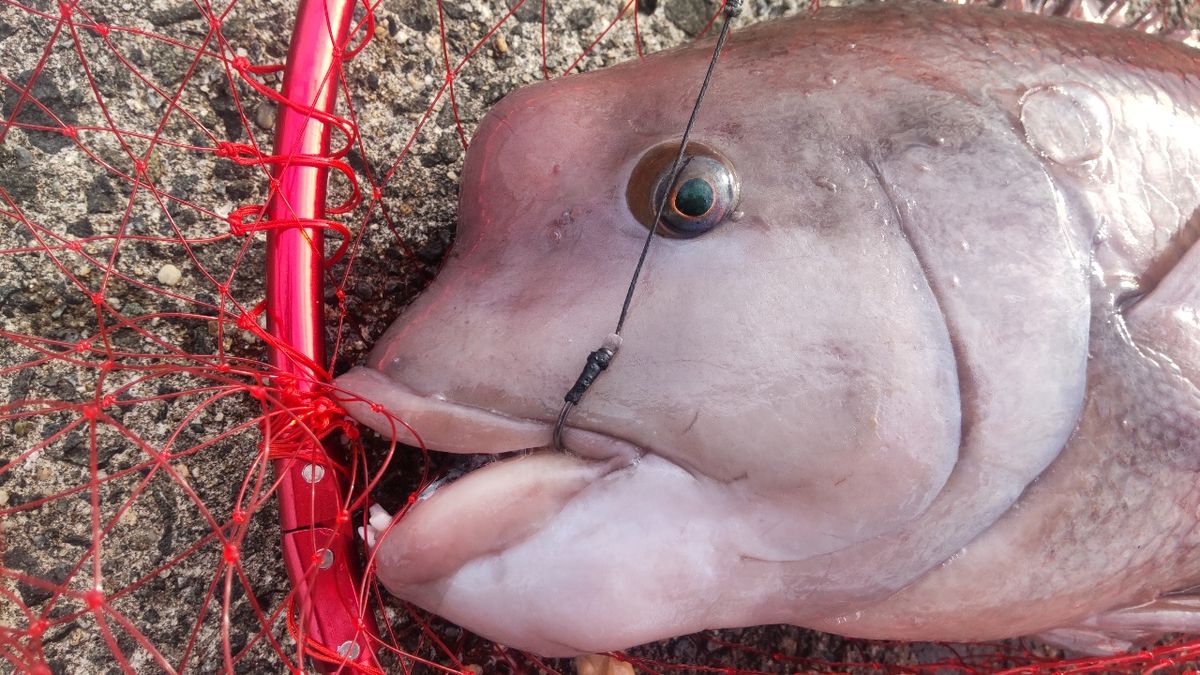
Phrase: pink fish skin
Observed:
(933, 376)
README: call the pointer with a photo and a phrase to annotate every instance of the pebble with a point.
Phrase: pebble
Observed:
(433, 43)
(169, 274)
(23, 156)
(601, 664)
(500, 44)
(3, 498)
(264, 115)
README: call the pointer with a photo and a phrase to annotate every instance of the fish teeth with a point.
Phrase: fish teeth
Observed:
(378, 521)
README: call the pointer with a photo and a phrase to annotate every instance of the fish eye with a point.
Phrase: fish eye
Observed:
(702, 197)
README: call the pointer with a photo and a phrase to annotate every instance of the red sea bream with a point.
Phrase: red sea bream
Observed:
(929, 373)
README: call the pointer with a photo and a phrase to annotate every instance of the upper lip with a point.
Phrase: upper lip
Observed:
(449, 426)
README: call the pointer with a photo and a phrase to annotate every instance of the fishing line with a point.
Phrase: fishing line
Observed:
(598, 361)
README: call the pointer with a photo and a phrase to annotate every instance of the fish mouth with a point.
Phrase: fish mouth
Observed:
(486, 436)
(508, 486)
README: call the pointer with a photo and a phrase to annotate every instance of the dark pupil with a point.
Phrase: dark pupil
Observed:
(694, 198)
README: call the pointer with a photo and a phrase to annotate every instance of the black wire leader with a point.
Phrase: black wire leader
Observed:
(599, 360)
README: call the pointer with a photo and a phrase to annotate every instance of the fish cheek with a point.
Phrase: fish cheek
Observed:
(815, 377)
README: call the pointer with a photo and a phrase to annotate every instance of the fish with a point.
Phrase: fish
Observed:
(914, 355)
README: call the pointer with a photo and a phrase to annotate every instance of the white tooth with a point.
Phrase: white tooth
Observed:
(379, 518)
(367, 534)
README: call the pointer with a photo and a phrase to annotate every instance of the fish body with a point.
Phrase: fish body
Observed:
(929, 377)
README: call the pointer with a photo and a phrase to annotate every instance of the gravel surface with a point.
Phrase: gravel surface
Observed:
(50, 181)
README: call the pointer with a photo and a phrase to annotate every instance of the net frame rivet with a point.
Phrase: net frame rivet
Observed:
(312, 473)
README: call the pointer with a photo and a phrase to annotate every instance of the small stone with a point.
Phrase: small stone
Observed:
(691, 16)
(23, 157)
(582, 17)
(500, 44)
(456, 11)
(381, 31)
(169, 274)
(472, 668)
(22, 427)
(264, 115)
(433, 43)
(3, 498)
(601, 664)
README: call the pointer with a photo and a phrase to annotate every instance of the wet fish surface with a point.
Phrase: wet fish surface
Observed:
(920, 362)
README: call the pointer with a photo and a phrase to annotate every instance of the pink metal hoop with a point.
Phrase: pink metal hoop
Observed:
(318, 541)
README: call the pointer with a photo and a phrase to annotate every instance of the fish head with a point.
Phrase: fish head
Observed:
(786, 386)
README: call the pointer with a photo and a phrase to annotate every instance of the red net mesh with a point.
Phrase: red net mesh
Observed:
(139, 509)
